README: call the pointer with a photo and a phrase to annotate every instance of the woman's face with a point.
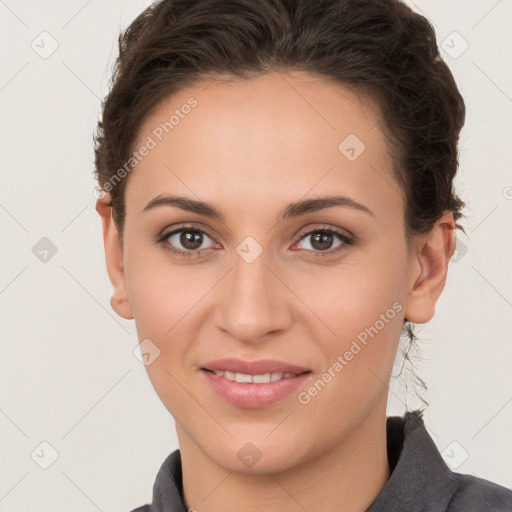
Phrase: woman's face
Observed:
(264, 282)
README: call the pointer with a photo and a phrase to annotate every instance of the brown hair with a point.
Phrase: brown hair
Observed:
(380, 48)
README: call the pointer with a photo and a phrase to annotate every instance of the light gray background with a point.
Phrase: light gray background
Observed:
(68, 373)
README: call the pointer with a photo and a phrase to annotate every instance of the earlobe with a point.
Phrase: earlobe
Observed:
(114, 259)
(429, 270)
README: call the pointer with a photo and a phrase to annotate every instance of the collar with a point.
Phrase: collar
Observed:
(417, 470)
(419, 475)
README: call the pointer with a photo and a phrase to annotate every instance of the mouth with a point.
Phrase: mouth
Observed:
(263, 378)
(256, 384)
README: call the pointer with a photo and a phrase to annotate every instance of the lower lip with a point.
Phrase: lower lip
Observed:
(251, 395)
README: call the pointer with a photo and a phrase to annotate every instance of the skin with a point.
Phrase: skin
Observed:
(250, 148)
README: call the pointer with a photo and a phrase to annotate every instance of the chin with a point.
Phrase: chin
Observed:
(258, 457)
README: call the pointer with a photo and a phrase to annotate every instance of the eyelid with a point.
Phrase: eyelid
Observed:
(185, 227)
(325, 227)
(181, 227)
(346, 240)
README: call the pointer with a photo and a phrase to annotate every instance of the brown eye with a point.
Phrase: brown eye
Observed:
(191, 239)
(322, 240)
(185, 241)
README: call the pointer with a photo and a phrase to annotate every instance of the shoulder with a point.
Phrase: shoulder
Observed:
(421, 480)
(144, 508)
(473, 494)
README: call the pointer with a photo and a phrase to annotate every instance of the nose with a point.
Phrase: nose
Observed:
(256, 303)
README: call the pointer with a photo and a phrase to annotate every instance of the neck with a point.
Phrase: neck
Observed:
(347, 477)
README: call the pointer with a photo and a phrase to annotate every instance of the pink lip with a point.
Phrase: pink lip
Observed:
(251, 395)
(253, 367)
(254, 395)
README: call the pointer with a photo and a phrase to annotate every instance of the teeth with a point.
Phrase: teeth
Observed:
(262, 379)
(243, 377)
(258, 379)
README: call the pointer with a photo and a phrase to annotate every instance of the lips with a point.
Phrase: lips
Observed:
(254, 384)
(260, 367)
(256, 379)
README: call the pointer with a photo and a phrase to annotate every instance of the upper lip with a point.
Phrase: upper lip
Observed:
(259, 367)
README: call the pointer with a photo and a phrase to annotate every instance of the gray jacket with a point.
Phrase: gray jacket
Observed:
(420, 480)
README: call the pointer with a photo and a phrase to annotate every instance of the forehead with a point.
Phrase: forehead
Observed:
(281, 133)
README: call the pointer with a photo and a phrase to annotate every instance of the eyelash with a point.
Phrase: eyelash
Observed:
(162, 239)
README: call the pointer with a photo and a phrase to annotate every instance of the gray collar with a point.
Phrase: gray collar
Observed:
(420, 480)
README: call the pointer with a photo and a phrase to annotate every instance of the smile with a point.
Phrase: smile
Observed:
(264, 378)
(254, 391)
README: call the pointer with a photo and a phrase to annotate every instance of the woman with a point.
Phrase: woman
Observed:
(277, 209)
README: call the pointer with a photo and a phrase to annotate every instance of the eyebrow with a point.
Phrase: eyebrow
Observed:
(294, 209)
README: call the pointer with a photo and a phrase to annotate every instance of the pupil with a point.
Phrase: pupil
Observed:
(191, 239)
(322, 240)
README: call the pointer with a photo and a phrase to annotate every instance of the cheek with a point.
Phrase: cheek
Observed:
(353, 297)
(361, 307)
(165, 304)
(358, 359)
(162, 294)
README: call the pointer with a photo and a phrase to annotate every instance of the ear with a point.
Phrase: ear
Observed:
(429, 269)
(114, 259)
